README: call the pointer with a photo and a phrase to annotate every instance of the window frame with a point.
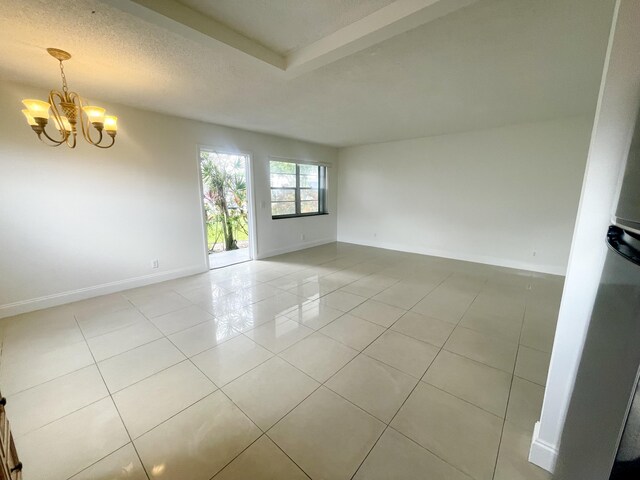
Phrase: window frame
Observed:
(322, 190)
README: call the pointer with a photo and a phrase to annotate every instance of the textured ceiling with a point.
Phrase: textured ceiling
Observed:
(490, 64)
(285, 25)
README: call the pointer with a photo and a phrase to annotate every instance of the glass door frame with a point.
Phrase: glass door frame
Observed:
(251, 220)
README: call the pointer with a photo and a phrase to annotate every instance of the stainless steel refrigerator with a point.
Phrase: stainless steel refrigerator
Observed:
(601, 437)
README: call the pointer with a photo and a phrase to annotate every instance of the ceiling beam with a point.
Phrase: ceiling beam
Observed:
(185, 21)
(394, 19)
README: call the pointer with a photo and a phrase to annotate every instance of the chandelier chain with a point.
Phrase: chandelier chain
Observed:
(65, 89)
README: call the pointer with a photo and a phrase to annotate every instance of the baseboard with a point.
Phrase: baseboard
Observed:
(487, 260)
(24, 306)
(294, 248)
(542, 454)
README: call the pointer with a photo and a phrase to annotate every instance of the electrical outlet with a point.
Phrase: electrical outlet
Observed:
(155, 263)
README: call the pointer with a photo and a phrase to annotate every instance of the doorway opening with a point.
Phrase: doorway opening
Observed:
(225, 196)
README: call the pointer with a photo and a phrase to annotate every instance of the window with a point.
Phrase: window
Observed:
(297, 189)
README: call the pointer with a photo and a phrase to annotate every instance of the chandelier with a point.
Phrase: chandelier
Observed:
(68, 109)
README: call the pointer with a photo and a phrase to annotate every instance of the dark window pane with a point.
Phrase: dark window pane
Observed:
(283, 180)
(309, 207)
(308, 194)
(283, 195)
(283, 208)
(283, 167)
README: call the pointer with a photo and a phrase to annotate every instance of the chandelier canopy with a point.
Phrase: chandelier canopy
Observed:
(69, 109)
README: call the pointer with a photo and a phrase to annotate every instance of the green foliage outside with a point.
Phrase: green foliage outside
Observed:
(225, 199)
(214, 232)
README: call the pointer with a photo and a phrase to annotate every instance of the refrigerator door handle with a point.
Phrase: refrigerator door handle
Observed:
(626, 225)
(625, 243)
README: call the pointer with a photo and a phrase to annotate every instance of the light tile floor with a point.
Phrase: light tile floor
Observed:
(336, 362)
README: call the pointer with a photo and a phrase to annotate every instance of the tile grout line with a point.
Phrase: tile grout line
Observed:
(321, 384)
(285, 453)
(100, 459)
(149, 376)
(265, 432)
(51, 380)
(187, 358)
(463, 400)
(524, 313)
(127, 299)
(380, 335)
(262, 434)
(114, 405)
(416, 386)
(220, 389)
(63, 416)
(274, 354)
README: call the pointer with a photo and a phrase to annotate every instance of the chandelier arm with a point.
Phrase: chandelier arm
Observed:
(91, 141)
(113, 140)
(72, 144)
(58, 116)
(86, 124)
(54, 142)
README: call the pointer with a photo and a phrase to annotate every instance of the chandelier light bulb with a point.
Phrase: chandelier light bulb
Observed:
(37, 108)
(111, 123)
(30, 119)
(95, 114)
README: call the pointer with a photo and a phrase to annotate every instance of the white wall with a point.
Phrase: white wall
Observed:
(77, 223)
(618, 104)
(493, 196)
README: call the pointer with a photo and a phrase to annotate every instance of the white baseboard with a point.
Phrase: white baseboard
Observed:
(487, 260)
(294, 248)
(61, 298)
(542, 454)
(24, 306)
